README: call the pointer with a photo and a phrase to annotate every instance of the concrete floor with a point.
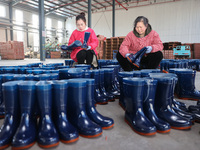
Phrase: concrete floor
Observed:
(121, 137)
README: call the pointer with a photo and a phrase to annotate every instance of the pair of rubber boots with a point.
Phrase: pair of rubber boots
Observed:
(139, 96)
(186, 84)
(77, 43)
(136, 58)
(177, 106)
(102, 96)
(22, 134)
(49, 133)
(164, 102)
(81, 109)
(114, 81)
(109, 82)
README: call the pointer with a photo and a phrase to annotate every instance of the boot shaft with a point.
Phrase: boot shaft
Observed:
(150, 90)
(163, 92)
(27, 92)
(133, 93)
(11, 97)
(76, 96)
(186, 79)
(60, 92)
(44, 96)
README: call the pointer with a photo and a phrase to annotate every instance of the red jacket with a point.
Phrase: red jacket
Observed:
(79, 35)
(133, 44)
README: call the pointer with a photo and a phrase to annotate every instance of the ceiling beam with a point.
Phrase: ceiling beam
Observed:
(63, 5)
(99, 3)
(17, 2)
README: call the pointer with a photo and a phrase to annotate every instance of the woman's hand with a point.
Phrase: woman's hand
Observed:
(149, 49)
(88, 48)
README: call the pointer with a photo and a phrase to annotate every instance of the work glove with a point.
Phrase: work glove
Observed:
(88, 48)
(149, 49)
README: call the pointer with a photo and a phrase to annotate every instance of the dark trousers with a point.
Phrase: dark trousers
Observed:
(85, 55)
(149, 61)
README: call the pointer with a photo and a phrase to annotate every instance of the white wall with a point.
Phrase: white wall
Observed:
(175, 21)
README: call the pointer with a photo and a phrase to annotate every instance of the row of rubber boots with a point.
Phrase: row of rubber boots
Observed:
(66, 111)
(15, 77)
(106, 83)
(150, 106)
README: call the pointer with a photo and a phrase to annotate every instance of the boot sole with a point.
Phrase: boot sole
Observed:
(129, 59)
(70, 141)
(2, 116)
(166, 131)
(23, 147)
(111, 100)
(164, 71)
(105, 128)
(102, 103)
(140, 133)
(91, 136)
(122, 106)
(49, 146)
(136, 65)
(5, 146)
(183, 98)
(181, 128)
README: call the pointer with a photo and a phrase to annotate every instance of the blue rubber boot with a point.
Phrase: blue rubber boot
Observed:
(67, 133)
(86, 38)
(115, 82)
(108, 81)
(99, 97)
(76, 109)
(186, 82)
(104, 122)
(122, 75)
(5, 78)
(134, 115)
(63, 74)
(136, 58)
(75, 44)
(102, 89)
(25, 137)
(163, 104)
(47, 134)
(149, 98)
(12, 116)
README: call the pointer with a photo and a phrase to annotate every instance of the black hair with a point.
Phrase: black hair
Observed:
(141, 19)
(81, 16)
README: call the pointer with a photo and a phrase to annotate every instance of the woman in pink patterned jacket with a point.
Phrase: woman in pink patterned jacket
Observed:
(83, 55)
(141, 36)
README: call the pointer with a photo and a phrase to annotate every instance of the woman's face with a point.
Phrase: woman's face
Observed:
(140, 28)
(80, 24)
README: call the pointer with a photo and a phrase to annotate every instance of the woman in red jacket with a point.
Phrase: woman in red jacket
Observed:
(83, 55)
(141, 36)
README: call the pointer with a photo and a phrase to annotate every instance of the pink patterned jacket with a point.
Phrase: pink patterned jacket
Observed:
(133, 44)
